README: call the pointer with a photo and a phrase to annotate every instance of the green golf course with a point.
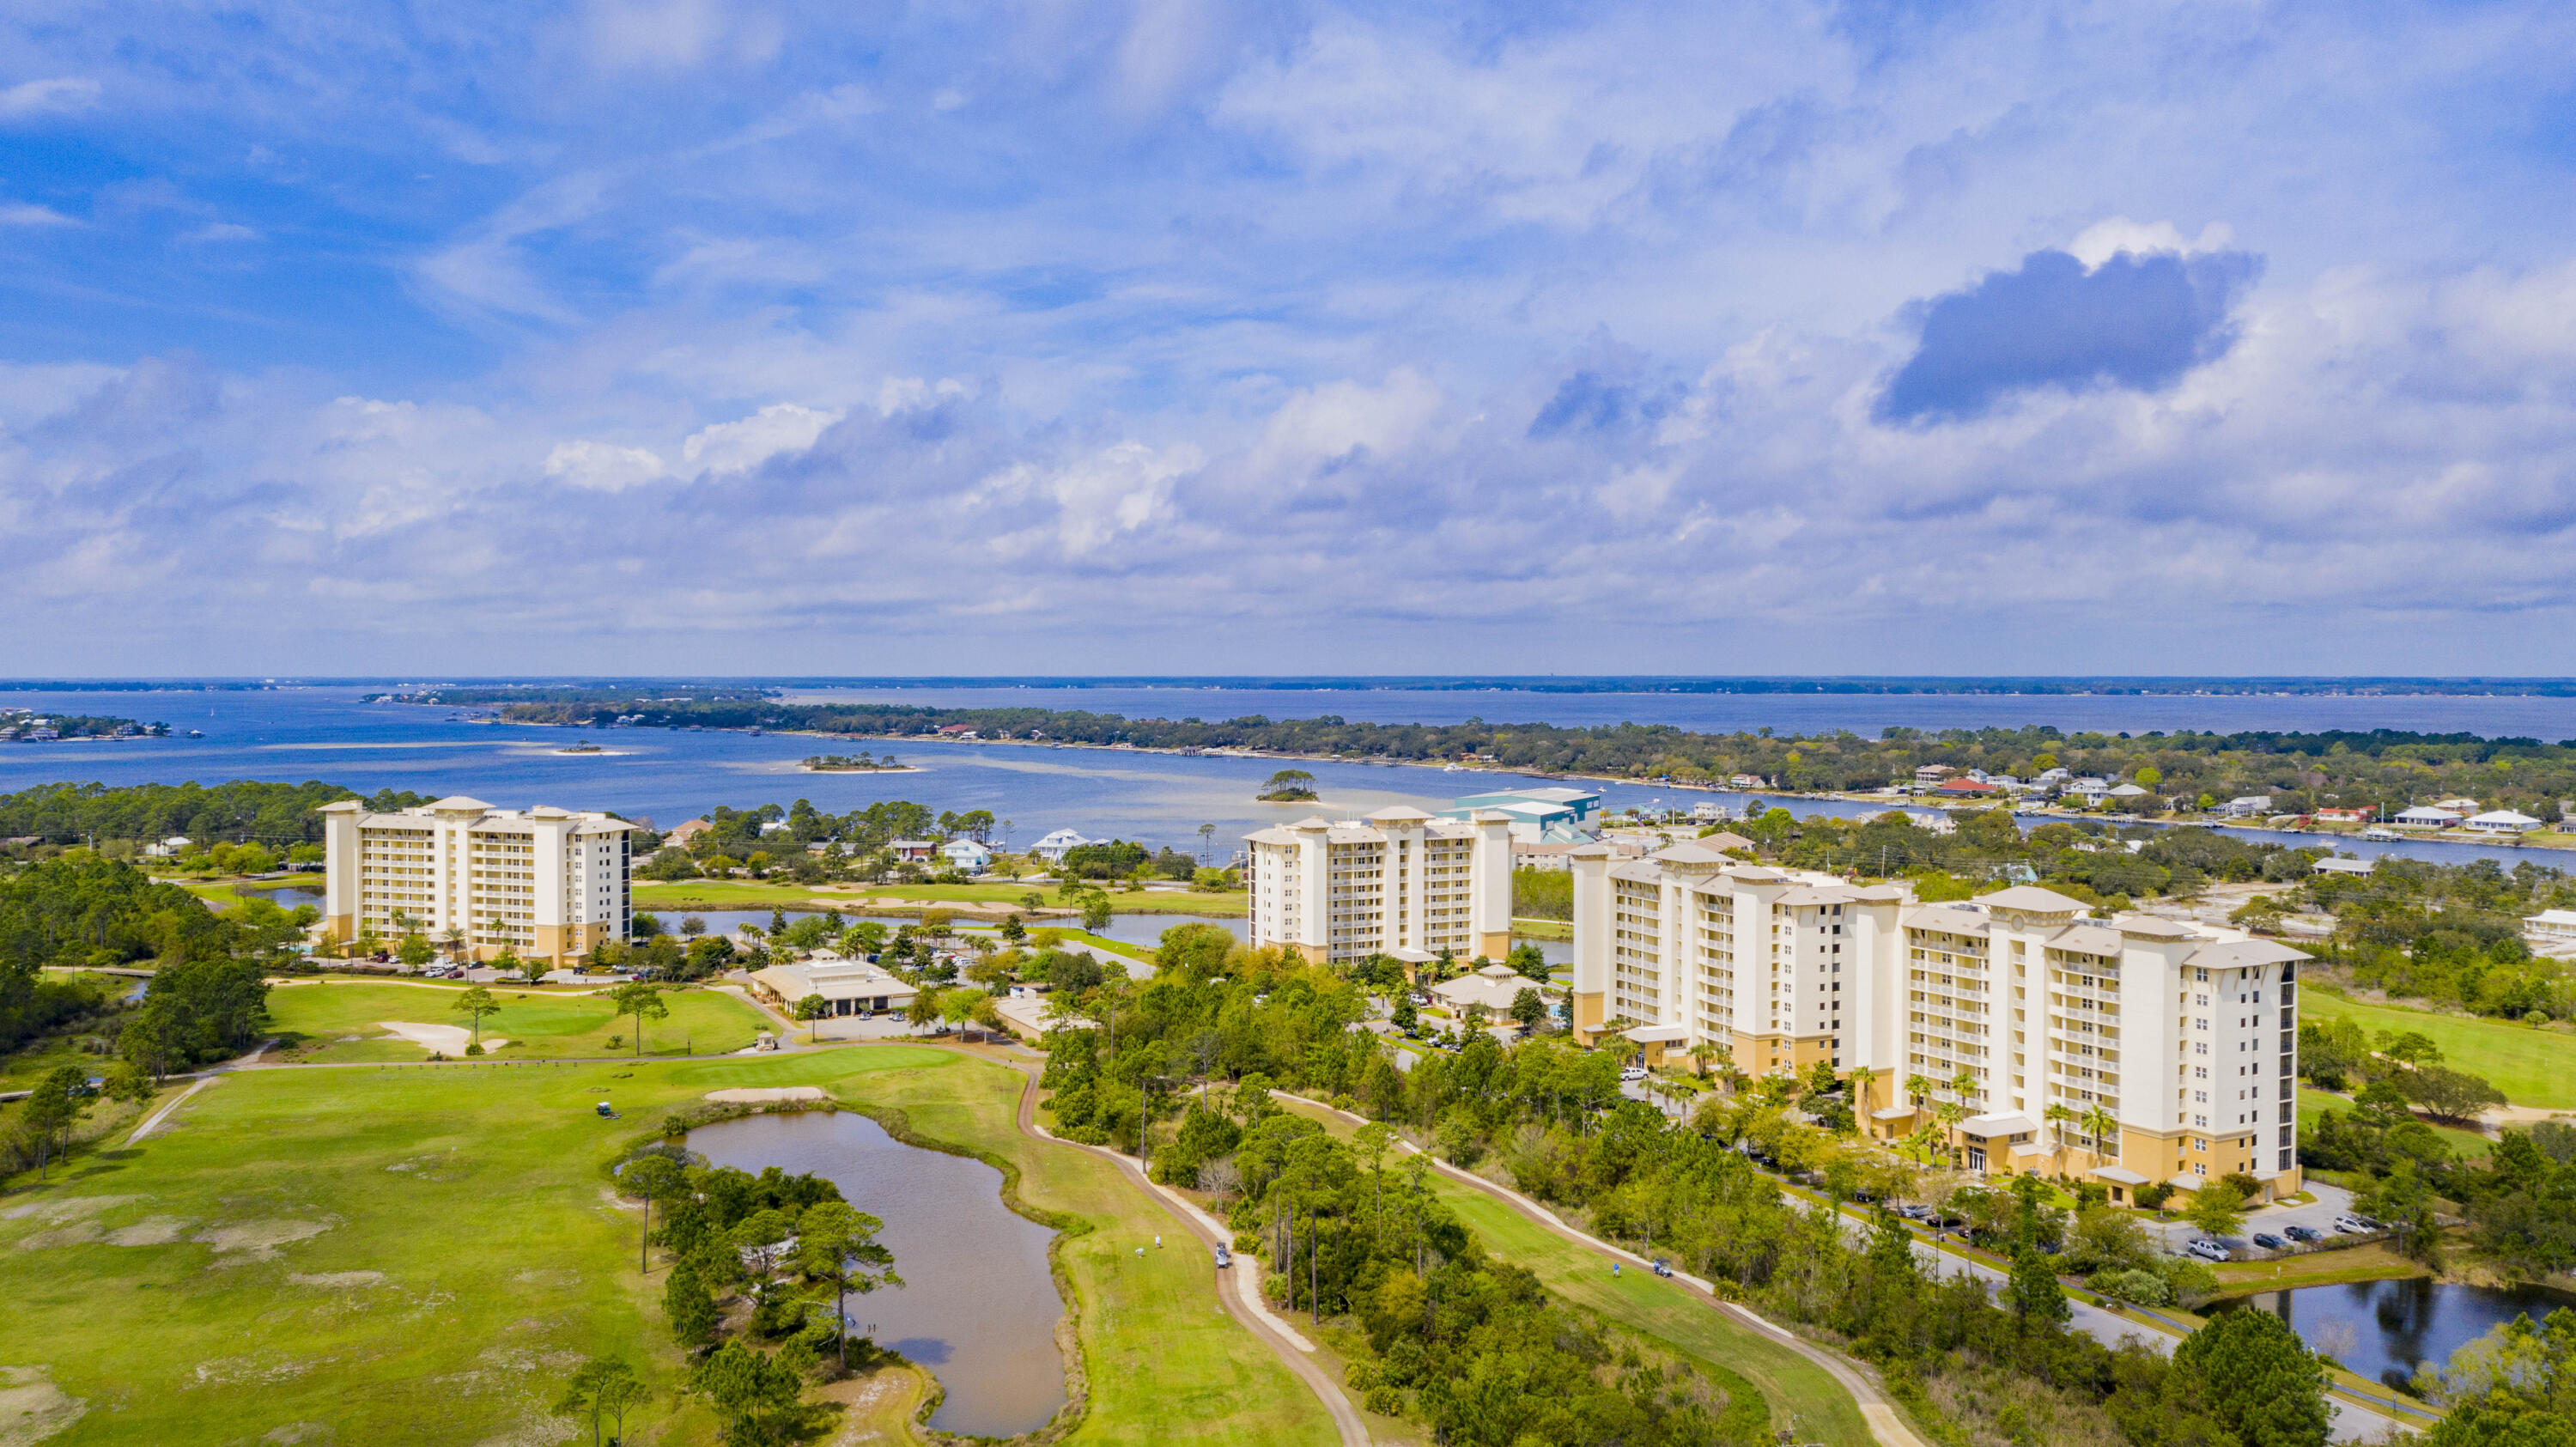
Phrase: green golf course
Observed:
(341, 1022)
(421, 1253)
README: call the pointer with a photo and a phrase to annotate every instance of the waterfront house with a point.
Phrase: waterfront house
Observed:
(2502, 821)
(2426, 816)
(913, 851)
(2244, 805)
(2341, 866)
(1051, 849)
(966, 856)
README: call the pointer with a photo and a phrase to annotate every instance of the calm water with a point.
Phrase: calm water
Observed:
(978, 1305)
(332, 734)
(1867, 714)
(2384, 1330)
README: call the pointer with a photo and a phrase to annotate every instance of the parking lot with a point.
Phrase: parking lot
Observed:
(2332, 1201)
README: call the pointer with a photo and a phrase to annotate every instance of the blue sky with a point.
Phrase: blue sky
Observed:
(1170, 335)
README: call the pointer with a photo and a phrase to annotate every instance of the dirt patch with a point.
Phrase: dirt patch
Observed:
(32, 1408)
(337, 1280)
(150, 1231)
(295, 1433)
(744, 1095)
(66, 1208)
(877, 1404)
(445, 1039)
(257, 1240)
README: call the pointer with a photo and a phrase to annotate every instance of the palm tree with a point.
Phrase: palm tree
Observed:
(1950, 1113)
(1918, 1088)
(1963, 1084)
(454, 935)
(1862, 1078)
(2104, 1127)
(2057, 1115)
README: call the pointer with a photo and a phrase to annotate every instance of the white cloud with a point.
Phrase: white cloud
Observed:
(603, 467)
(1116, 492)
(25, 214)
(2105, 239)
(741, 446)
(61, 95)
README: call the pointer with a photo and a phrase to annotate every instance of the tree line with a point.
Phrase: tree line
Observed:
(2347, 768)
(69, 813)
(1180, 1068)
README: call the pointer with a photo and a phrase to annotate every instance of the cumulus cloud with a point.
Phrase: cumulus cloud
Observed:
(738, 446)
(1129, 333)
(2130, 321)
(603, 467)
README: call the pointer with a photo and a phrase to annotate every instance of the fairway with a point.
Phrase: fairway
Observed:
(2532, 1067)
(1728, 1352)
(2465, 1144)
(319, 1019)
(1165, 1361)
(360, 1255)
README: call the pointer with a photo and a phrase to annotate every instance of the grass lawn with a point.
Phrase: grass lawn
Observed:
(2532, 1067)
(315, 1020)
(421, 1254)
(1730, 1353)
(1166, 1363)
(2465, 1144)
(2370, 1262)
(1524, 928)
(354, 1255)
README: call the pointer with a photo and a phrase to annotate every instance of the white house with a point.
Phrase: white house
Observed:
(2551, 927)
(966, 856)
(2334, 865)
(2427, 816)
(2089, 789)
(2246, 805)
(2463, 805)
(2132, 791)
(1052, 848)
(167, 847)
(2502, 821)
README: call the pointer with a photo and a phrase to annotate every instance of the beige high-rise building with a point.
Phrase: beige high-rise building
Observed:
(1398, 883)
(546, 882)
(2028, 1034)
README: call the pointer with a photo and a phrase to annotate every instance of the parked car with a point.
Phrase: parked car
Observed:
(1224, 1258)
(1633, 1072)
(2350, 1225)
(2207, 1250)
(1915, 1213)
(2267, 1240)
(2300, 1233)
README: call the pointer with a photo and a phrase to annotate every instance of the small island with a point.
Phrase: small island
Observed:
(1288, 786)
(860, 763)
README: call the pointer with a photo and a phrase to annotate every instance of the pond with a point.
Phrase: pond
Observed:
(2384, 1330)
(978, 1306)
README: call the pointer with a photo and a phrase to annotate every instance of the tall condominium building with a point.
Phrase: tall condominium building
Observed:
(1398, 882)
(546, 882)
(2029, 1035)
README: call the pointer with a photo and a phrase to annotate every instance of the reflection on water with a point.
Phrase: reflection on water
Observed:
(978, 1303)
(2385, 1330)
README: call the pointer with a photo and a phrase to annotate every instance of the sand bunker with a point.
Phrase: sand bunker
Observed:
(744, 1095)
(445, 1039)
(338, 1280)
(66, 1208)
(33, 1408)
(257, 1240)
(150, 1231)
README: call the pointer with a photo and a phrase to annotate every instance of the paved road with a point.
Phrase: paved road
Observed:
(1292, 1351)
(1884, 1423)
